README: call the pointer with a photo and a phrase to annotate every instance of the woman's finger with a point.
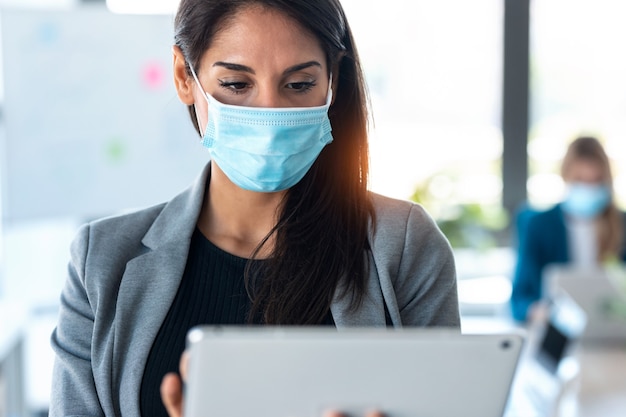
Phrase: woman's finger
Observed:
(184, 360)
(172, 394)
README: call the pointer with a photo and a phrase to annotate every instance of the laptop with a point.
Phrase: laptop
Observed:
(597, 292)
(302, 372)
(547, 369)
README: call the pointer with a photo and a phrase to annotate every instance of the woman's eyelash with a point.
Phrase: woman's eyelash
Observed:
(239, 87)
(234, 87)
(303, 86)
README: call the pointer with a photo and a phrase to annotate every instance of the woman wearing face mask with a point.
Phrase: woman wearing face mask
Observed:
(278, 229)
(586, 229)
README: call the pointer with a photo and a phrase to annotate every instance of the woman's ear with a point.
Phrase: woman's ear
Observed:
(182, 81)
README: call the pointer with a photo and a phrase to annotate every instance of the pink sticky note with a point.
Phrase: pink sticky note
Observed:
(153, 75)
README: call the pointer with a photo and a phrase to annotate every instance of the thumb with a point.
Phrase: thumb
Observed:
(172, 394)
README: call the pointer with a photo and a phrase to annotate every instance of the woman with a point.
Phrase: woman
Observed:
(586, 229)
(278, 229)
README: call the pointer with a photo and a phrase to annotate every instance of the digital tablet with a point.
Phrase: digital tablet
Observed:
(302, 372)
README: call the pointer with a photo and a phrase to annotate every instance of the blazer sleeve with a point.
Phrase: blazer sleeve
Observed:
(426, 286)
(73, 388)
(526, 288)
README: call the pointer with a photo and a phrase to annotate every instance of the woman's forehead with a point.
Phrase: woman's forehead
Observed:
(261, 27)
(586, 169)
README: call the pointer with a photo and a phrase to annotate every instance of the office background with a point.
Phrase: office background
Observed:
(473, 106)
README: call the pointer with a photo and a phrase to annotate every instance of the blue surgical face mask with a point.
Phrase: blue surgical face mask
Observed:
(586, 200)
(265, 149)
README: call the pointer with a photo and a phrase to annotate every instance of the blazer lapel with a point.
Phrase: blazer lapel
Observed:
(147, 289)
(371, 312)
(145, 295)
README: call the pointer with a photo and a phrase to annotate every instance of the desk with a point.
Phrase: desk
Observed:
(598, 372)
(602, 381)
(12, 319)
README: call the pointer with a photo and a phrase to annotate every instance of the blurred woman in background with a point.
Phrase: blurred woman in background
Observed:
(585, 230)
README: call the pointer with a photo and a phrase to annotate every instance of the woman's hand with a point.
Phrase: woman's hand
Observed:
(172, 389)
(172, 393)
(538, 313)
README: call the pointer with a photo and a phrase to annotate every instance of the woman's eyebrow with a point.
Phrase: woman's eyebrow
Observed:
(243, 68)
(299, 67)
(234, 67)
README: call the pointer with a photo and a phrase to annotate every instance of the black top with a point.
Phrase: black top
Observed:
(211, 291)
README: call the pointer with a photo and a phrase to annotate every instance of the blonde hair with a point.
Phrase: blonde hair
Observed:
(609, 225)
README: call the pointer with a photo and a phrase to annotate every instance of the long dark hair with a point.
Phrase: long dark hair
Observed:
(321, 237)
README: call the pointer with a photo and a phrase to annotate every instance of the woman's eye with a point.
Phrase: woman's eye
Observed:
(236, 87)
(301, 87)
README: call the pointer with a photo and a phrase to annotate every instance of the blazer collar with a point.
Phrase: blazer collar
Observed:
(180, 215)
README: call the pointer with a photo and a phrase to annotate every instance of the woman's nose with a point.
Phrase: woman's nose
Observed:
(268, 97)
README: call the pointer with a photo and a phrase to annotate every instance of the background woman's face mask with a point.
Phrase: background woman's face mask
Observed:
(265, 149)
(586, 200)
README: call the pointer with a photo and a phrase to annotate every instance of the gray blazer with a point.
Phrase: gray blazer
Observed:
(125, 270)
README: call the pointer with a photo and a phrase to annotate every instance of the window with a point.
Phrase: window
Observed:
(434, 70)
(577, 87)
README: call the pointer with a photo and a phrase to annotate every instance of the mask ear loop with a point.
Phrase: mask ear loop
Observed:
(329, 95)
(195, 77)
(204, 94)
